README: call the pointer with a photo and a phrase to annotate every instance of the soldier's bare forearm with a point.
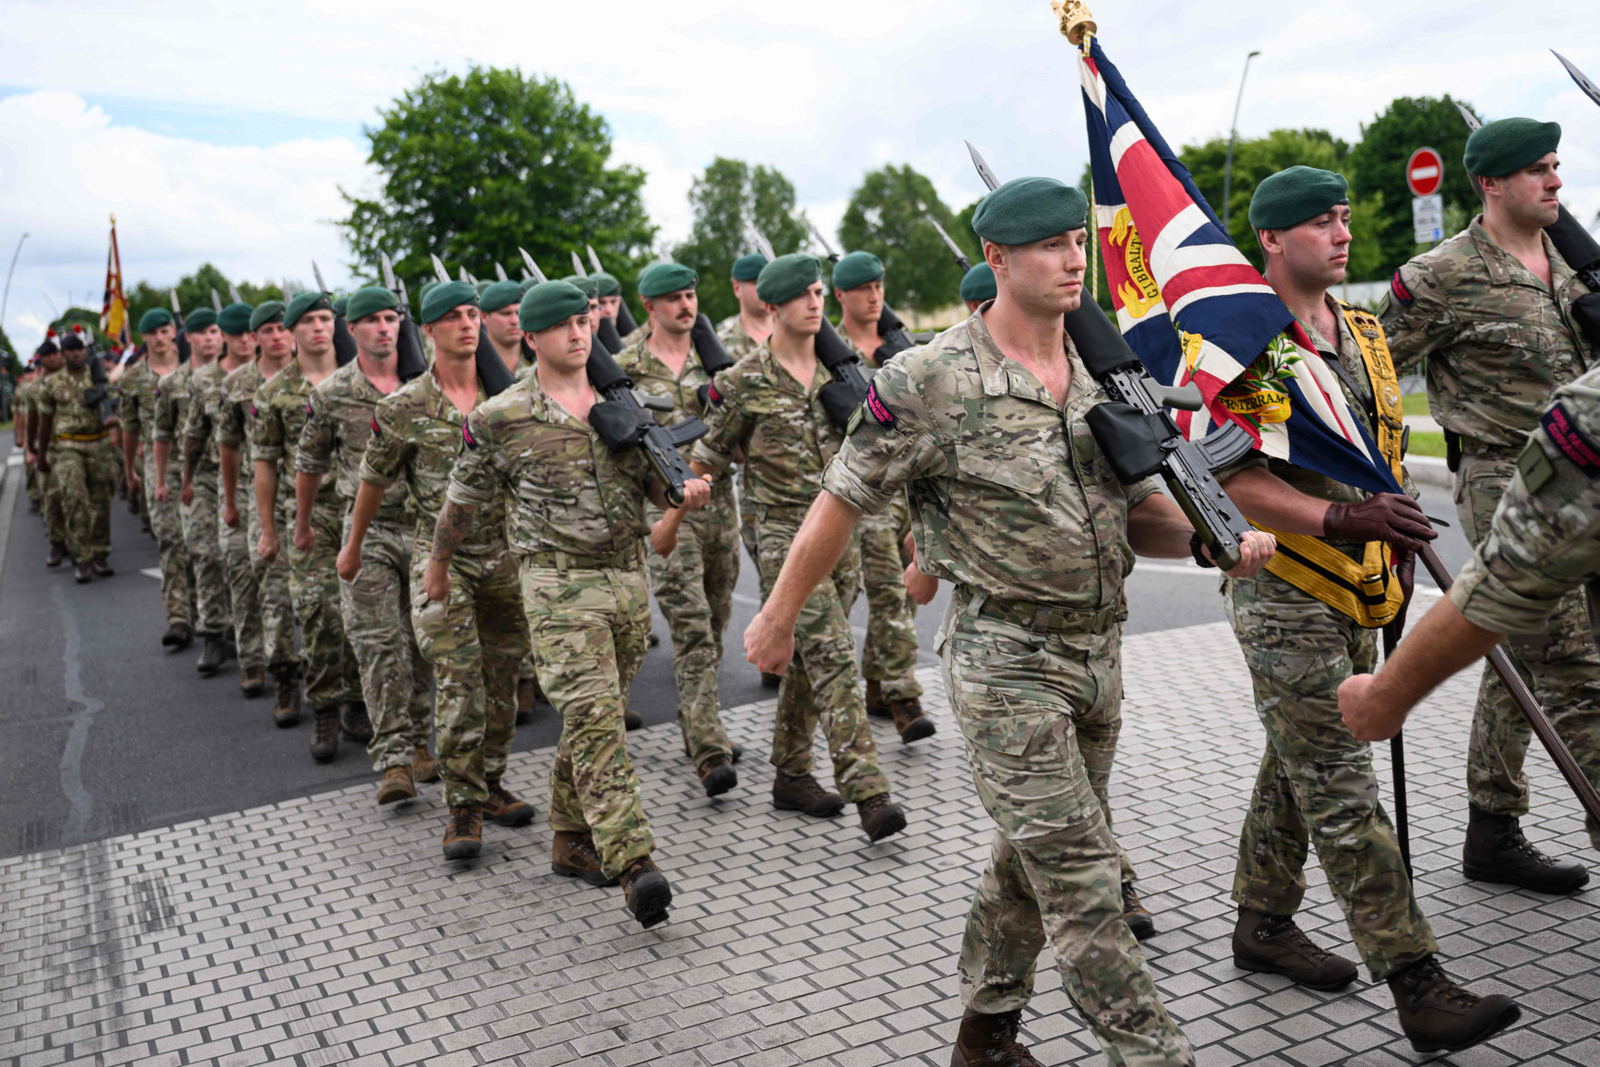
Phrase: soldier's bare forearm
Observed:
(266, 495)
(162, 454)
(455, 520)
(821, 540)
(1268, 499)
(228, 457)
(193, 449)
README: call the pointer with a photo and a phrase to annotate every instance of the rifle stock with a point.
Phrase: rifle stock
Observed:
(848, 389)
(623, 423)
(493, 374)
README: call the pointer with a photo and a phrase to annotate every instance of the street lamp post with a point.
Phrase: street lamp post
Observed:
(7, 297)
(1233, 135)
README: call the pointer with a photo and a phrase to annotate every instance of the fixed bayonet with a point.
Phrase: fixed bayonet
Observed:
(233, 294)
(500, 272)
(983, 168)
(594, 259)
(322, 286)
(1468, 117)
(955, 249)
(388, 273)
(465, 276)
(525, 274)
(216, 301)
(533, 268)
(577, 266)
(827, 249)
(174, 294)
(762, 243)
(1589, 88)
(400, 291)
(438, 269)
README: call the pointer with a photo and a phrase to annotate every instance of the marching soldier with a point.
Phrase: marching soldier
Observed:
(609, 289)
(140, 388)
(694, 564)
(280, 411)
(1491, 310)
(977, 285)
(475, 638)
(889, 655)
(375, 581)
(1306, 626)
(769, 406)
(576, 522)
(73, 444)
(979, 425)
(197, 489)
(21, 439)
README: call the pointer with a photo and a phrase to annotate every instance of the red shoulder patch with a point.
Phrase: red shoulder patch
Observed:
(375, 431)
(711, 391)
(1566, 436)
(1401, 293)
(466, 435)
(877, 408)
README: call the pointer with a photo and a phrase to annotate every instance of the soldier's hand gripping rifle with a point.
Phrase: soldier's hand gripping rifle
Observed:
(623, 422)
(344, 342)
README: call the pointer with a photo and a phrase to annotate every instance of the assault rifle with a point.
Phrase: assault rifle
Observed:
(409, 358)
(623, 422)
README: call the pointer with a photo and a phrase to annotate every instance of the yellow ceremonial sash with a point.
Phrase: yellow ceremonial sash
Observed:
(1364, 590)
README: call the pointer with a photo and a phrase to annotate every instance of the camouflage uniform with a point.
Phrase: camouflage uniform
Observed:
(730, 331)
(1314, 772)
(1497, 342)
(22, 402)
(40, 486)
(694, 585)
(476, 638)
(140, 388)
(277, 415)
(575, 520)
(529, 669)
(1012, 501)
(175, 398)
(788, 439)
(82, 466)
(396, 681)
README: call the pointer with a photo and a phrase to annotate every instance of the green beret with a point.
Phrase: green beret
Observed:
(857, 268)
(271, 311)
(363, 302)
(978, 283)
(199, 319)
(235, 318)
(659, 279)
(1498, 148)
(302, 303)
(1292, 196)
(528, 283)
(748, 268)
(340, 304)
(549, 303)
(608, 284)
(444, 296)
(482, 287)
(787, 277)
(588, 286)
(1025, 210)
(154, 319)
(498, 295)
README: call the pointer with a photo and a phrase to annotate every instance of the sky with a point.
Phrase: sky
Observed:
(226, 133)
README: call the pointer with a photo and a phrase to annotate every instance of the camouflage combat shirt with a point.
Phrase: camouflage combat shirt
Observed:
(335, 435)
(731, 332)
(205, 403)
(175, 397)
(61, 397)
(279, 412)
(1010, 495)
(140, 387)
(233, 420)
(1497, 341)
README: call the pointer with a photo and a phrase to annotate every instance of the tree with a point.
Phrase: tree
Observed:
(476, 165)
(727, 200)
(1379, 161)
(194, 292)
(10, 358)
(887, 216)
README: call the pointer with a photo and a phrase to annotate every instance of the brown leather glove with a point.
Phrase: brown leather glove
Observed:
(1405, 570)
(1388, 517)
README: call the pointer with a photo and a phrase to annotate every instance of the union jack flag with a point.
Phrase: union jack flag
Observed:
(1193, 307)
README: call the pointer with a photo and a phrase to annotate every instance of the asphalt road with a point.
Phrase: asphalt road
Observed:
(106, 733)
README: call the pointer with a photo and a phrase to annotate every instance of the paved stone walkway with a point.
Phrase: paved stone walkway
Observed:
(327, 931)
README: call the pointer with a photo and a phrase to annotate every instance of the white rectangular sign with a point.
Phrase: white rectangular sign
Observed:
(1427, 218)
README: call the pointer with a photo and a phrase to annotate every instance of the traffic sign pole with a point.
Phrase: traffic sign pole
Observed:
(1425, 177)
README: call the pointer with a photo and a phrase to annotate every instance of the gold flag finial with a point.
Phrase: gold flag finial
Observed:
(113, 218)
(1077, 21)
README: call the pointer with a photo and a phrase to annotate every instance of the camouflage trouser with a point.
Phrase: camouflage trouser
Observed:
(276, 618)
(889, 656)
(694, 587)
(1561, 665)
(209, 566)
(35, 493)
(55, 521)
(244, 591)
(396, 681)
(747, 515)
(85, 479)
(166, 523)
(1040, 714)
(821, 682)
(475, 639)
(331, 674)
(589, 630)
(1315, 775)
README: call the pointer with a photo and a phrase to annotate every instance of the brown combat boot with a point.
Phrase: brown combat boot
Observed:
(82, 572)
(574, 856)
(1496, 851)
(1134, 913)
(424, 768)
(463, 832)
(506, 809)
(1273, 944)
(286, 708)
(526, 688)
(253, 681)
(210, 661)
(355, 722)
(910, 721)
(990, 1041)
(877, 703)
(802, 792)
(717, 775)
(177, 637)
(880, 817)
(324, 733)
(58, 554)
(102, 568)
(1438, 1015)
(646, 892)
(631, 719)
(396, 785)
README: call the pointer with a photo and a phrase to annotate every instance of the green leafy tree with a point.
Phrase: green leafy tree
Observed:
(194, 292)
(1379, 162)
(476, 165)
(10, 358)
(887, 216)
(728, 199)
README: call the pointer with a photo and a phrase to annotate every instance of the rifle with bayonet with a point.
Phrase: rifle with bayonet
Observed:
(1138, 436)
(216, 301)
(344, 342)
(892, 336)
(625, 323)
(410, 359)
(493, 374)
(961, 257)
(180, 336)
(624, 422)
